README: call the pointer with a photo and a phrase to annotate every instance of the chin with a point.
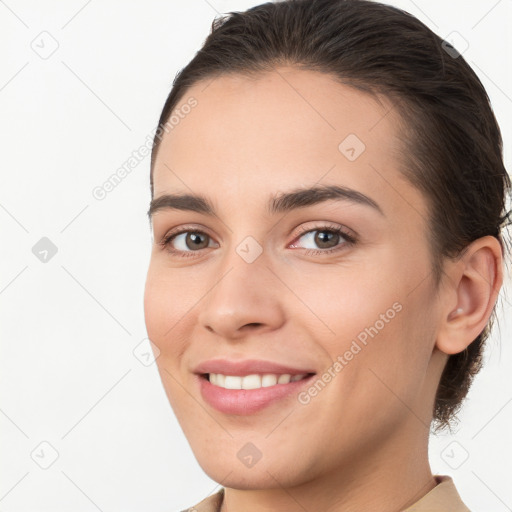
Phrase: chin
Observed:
(230, 472)
(248, 480)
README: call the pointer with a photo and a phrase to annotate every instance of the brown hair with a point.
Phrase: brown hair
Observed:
(454, 143)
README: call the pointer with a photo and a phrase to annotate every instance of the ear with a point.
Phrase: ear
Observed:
(473, 282)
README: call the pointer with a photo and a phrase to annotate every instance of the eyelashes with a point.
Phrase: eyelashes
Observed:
(166, 242)
(197, 238)
(335, 232)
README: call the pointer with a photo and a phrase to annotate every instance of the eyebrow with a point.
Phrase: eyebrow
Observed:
(280, 203)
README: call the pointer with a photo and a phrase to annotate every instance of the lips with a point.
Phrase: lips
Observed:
(242, 402)
(246, 367)
(248, 401)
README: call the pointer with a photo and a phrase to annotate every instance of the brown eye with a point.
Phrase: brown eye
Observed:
(186, 242)
(196, 240)
(326, 239)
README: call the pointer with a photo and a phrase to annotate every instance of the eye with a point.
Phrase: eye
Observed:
(326, 238)
(185, 242)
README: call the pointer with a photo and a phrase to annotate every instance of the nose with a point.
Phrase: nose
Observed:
(244, 299)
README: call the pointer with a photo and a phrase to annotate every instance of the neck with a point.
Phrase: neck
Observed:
(389, 477)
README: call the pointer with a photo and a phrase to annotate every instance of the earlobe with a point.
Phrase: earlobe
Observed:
(476, 279)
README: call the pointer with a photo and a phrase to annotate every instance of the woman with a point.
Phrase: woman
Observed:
(328, 196)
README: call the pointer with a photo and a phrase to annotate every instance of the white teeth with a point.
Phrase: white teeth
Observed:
(253, 381)
(284, 379)
(268, 380)
(233, 382)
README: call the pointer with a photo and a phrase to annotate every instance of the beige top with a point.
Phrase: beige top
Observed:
(442, 498)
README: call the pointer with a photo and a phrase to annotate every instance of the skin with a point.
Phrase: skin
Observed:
(362, 442)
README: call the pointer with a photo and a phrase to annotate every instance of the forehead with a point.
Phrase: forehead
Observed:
(286, 127)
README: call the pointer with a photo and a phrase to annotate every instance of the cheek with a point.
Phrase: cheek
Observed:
(345, 301)
(377, 319)
(154, 306)
(164, 305)
(168, 296)
(172, 301)
(163, 308)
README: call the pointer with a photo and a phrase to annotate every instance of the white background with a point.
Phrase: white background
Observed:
(69, 326)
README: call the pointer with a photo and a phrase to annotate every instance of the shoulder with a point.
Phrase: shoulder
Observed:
(442, 498)
(210, 504)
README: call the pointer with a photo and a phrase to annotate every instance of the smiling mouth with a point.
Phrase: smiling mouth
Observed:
(253, 381)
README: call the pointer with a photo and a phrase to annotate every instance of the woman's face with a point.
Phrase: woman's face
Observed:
(269, 279)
